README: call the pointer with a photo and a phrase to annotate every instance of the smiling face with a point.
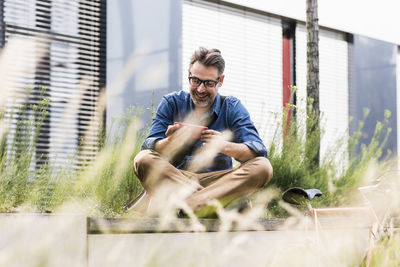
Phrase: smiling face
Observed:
(203, 97)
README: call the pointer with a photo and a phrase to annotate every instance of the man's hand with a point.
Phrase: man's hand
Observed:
(177, 136)
(172, 129)
(220, 143)
(166, 143)
(208, 135)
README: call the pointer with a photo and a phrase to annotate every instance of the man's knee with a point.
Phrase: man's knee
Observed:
(143, 161)
(143, 157)
(262, 169)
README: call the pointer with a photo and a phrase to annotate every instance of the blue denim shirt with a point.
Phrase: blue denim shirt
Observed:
(230, 114)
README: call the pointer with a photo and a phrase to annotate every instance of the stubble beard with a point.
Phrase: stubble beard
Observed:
(202, 104)
(207, 102)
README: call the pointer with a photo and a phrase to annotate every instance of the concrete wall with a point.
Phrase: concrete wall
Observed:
(233, 249)
(59, 240)
(33, 240)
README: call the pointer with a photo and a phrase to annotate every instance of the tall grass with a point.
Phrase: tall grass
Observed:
(103, 186)
(293, 160)
(100, 187)
(109, 181)
(386, 252)
(30, 181)
(17, 178)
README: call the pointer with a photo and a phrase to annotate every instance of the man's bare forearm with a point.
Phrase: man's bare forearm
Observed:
(165, 144)
(240, 152)
(161, 145)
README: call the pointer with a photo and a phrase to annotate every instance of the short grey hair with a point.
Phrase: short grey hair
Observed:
(209, 57)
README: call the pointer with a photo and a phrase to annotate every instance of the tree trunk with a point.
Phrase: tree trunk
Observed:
(313, 113)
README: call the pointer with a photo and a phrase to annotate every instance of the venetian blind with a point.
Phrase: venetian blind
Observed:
(65, 54)
(251, 45)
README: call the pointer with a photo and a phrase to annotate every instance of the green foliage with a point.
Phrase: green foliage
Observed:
(110, 181)
(17, 176)
(102, 186)
(293, 159)
(292, 156)
(386, 251)
(368, 156)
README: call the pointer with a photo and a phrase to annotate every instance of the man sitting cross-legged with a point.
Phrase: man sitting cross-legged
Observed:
(193, 138)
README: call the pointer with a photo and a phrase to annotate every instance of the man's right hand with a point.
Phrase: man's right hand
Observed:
(172, 141)
(166, 144)
(178, 136)
(172, 129)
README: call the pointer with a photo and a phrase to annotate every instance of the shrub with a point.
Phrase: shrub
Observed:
(293, 160)
(100, 187)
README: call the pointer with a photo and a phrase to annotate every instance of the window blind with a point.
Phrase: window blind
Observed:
(251, 45)
(68, 59)
(334, 89)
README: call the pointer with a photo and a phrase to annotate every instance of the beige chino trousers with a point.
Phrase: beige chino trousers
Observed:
(161, 179)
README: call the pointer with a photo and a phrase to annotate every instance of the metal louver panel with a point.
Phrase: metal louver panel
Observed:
(334, 89)
(251, 45)
(68, 59)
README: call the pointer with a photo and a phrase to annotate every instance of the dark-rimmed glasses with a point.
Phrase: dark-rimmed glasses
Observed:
(209, 84)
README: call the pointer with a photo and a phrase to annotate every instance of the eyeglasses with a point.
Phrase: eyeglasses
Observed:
(209, 84)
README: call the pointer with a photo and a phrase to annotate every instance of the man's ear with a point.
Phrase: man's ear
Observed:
(221, 80)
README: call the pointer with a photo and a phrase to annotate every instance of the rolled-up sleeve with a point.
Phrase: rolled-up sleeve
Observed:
(244, 130)
(161, 120)
(150, 143)
(257, 147)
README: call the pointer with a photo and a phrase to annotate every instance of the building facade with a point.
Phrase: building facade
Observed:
(264, 45)
(139, 51)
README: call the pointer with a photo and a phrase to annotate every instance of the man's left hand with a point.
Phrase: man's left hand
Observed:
(219, 142)
(209, 135)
